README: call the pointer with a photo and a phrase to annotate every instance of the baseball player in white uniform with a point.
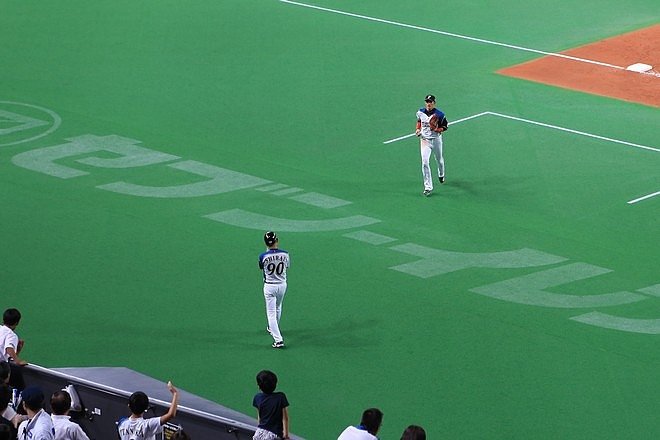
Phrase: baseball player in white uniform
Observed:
(431, 123)
(274, 264)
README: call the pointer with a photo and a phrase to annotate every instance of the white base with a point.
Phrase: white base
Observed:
(639, 67)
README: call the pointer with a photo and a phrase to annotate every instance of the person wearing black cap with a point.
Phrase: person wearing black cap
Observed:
(274, 264)
(431, 123)
(39, 425)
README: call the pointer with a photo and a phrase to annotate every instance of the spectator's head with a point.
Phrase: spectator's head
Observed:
(267, 381)
(371, 420)
(33, 398)
(60, 403)
(5, 372)
(138, 403)
(5, 432)
(414, 432)
(5, 396)
(11, 317)
(180, 435)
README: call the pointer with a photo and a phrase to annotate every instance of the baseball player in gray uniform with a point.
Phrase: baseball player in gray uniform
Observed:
(431, 123)
(274, 264)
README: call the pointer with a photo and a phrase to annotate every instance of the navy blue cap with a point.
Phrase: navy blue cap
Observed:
(33, 397)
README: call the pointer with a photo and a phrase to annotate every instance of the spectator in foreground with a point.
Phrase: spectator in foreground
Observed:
(11, 346)
(136, 427)
(414, 432)
(7, 413)
(367, 429)
(272, 412)
(65, 429)
(39, 426)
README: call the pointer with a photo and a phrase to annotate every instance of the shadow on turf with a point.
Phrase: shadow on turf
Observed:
(345, 333)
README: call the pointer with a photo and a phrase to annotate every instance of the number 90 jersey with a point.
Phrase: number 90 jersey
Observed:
(274, 263)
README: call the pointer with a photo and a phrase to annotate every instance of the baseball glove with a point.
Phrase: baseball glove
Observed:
(434, 123)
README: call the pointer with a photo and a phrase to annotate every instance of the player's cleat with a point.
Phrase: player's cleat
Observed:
(426, 193)
(278, 344)
(441, 179)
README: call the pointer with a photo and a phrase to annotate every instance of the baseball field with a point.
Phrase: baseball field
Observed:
(145, 148)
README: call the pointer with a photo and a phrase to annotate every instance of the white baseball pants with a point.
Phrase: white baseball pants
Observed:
(274, 295)
(428, 146)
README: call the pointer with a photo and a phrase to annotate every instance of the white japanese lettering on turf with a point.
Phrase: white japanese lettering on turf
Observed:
(437, 261)
(529, 289)
(220, 180)
(43, 159)
(20, 122)
(252, 220)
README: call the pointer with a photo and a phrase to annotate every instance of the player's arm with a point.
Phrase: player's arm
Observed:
(418, 128)
(169, 415)
(442, 123)
(285, 422)
(11, 353)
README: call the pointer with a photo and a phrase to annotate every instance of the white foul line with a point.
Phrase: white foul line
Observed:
(451, 34)
(451, 123)
(541, 124)
(648, 196)
(399, 138)
(581, 133)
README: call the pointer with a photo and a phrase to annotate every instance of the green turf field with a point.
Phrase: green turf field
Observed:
(145, 147)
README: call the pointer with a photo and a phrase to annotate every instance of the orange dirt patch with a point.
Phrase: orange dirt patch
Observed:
(642, 46)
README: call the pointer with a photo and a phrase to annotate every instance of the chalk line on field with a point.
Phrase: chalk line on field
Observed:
(452, 34)
(648, 196)
(450, 123)
(542, 124)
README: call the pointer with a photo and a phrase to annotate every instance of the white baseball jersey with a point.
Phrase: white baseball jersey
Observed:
(65, 429)
(424, 118)
(40, 427)
(8, 338)
(274, 263)
(139, 429)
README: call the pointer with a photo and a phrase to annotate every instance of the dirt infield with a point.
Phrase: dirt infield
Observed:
(642, 46)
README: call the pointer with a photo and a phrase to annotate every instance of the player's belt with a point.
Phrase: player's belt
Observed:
(266, 282)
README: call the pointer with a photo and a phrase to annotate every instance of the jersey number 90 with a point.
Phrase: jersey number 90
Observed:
(272, 268)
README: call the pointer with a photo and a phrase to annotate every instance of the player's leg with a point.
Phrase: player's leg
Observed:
(279, 299)
(437, 152)
(425, 151)
(271, 311)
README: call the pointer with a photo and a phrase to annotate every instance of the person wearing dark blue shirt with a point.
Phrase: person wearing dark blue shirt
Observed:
(273, 416)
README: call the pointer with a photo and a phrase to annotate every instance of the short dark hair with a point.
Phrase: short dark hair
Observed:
(60, 402)
(11, 317)
(5, 396)
(267, 381)
(414, 432)
(372, 419)
(138, 402)
(5, 371)
(33, 398)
